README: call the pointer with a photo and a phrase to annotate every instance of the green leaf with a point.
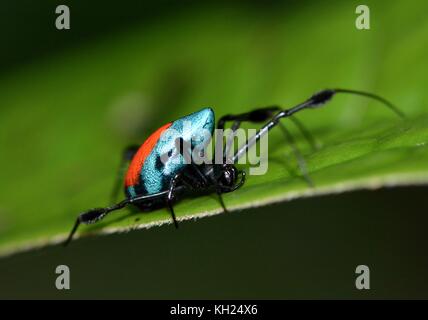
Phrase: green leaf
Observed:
(64, 121)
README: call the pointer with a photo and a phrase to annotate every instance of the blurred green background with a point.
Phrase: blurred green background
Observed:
(71, 100)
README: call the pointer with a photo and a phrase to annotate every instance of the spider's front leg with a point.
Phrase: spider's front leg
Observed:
(262, 115)
(254, 116)
(316, 100)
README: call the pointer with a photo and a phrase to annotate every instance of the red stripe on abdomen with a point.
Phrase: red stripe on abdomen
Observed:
(133, 174)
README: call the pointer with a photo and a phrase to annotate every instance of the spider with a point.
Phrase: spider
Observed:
(151, 183)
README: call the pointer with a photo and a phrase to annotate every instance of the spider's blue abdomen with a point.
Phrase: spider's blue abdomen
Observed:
(147, 173)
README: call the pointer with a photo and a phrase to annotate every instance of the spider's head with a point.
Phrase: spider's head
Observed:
(227, 177)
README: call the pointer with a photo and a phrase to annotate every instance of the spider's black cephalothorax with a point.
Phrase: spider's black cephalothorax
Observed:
(190, 179)
(227, 175)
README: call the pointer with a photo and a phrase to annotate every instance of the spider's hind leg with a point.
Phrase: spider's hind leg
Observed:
(220, 199)
(92, 216)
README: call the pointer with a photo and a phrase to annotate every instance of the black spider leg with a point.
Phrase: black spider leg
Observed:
(299, 156)
(184, 151)
(370, 95)
(257, 116)
(173, 187)
(170, 197)
(316, 100)
(183, 148)
(263, 114)
(204, 179)
(229, 142)
(127, 156)
(92, 216)
(220, 199)
(302, 128)
(95, 215)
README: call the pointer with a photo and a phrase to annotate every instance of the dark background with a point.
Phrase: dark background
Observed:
(303, 249)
